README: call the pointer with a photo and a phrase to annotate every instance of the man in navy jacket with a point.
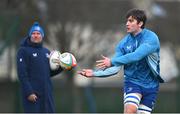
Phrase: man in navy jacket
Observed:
(34, 73)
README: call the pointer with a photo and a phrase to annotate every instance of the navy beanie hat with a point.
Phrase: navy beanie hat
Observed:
(36, 27)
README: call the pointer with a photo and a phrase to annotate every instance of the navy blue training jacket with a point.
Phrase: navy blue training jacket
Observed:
(34, 75)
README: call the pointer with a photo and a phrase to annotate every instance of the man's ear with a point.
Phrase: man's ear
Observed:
(140, 24)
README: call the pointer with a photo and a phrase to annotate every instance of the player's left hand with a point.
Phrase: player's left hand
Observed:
(103, 63)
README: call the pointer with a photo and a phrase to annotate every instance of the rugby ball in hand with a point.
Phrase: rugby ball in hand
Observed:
(54, 59)
(67, 61)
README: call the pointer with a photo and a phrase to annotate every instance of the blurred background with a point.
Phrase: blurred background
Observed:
(87, 28)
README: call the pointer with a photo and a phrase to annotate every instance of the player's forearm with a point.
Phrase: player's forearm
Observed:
(107, 72)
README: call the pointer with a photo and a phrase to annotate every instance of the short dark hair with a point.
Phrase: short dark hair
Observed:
(137, 14)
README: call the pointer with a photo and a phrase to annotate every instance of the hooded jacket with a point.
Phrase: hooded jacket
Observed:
(34, 75)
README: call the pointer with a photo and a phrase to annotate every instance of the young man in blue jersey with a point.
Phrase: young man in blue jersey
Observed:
(138, 52)
(34, 73)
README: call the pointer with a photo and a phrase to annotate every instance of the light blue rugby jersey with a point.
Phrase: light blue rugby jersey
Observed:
(140, 56)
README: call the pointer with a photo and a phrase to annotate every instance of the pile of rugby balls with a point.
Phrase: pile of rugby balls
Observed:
(65, 60)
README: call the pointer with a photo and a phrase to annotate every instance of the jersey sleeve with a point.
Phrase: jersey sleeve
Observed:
(110, 71)
(22, 63)
(148, 46)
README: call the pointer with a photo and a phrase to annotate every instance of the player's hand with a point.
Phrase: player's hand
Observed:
(86, 72)
(103, 63)
(56, 61)
(32, 97)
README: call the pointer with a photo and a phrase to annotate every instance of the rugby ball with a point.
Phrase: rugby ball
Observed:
(67, 61)
(53, 58)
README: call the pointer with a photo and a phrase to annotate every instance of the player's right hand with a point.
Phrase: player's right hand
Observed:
(32, 97)
(86, 72)
(56, 61)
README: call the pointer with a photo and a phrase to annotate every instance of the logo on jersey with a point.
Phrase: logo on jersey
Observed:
(129, 47)
(34, 54)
